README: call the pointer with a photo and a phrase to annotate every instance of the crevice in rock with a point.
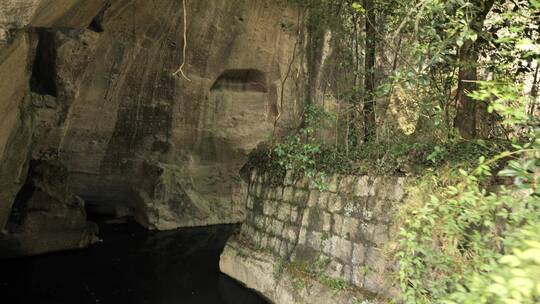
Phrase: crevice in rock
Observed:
(45, 209)
(20, 207)
(97, 23)
(241, 80)
(95, 26)
(43, 80)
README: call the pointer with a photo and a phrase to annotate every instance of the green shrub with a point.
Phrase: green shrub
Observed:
(512, 279)
(466, 239)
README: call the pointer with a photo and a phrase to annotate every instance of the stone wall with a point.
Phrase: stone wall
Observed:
(343, 229)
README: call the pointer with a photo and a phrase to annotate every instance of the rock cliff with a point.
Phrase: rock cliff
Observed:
(98, 77)
(19, 41)
(90, 84)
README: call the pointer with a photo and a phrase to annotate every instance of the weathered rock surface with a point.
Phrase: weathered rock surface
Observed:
(46, 216)
(15, 119)
(17, 14)
(18, 43)
(162, 202)
(90, 83)
(130, 109)
(339, 235)
(259, 271)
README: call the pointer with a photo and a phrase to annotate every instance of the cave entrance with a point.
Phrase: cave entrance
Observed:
(43, 79)
(235, 115)
(241, 80)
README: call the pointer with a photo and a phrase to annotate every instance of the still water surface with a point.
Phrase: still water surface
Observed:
(132, 266)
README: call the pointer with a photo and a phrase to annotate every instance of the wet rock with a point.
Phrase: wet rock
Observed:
(258, 271)
(164, 201)
(46, 215)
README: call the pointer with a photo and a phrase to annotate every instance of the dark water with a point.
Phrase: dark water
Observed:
(132, 266)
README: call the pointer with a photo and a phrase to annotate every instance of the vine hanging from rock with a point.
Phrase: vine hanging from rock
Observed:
(184, 48)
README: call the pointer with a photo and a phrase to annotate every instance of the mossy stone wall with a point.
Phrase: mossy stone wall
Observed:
(347, 226)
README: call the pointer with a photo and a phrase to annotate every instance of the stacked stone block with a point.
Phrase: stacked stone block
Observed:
(346, 225)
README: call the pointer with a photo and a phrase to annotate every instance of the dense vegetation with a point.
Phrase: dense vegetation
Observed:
(445, 92)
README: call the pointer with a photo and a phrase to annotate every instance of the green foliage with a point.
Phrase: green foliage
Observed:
(505, 47)
(302, 152)
(466, 236)
(458, 233)
(513, 278)
(507, 100)
(335, 284)
(299, 152)
(469, 231)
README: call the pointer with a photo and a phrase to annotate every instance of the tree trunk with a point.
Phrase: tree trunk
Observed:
(466, 107)
(369, 79)
(534, 90)
(316, 28)
(465, 120)
(353, 114)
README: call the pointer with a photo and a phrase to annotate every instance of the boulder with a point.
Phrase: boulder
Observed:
(46, 216)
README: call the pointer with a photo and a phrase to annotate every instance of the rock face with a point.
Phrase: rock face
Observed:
(91, 83)
(18, 44)
(21, 14)
(46, 216)
(15, 120)
(130, 109)
(315, 237)
(163, 202)
(49, 221)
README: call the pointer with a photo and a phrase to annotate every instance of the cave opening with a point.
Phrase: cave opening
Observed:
(95, 26)
(20, 207)
(241, 80)
(231, 109)
(43, 78)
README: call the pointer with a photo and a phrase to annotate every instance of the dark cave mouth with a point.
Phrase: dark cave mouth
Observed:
(44, 74)
(241, 80)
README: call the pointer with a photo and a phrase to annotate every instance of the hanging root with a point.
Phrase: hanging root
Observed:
(287, 75)
(181, 68)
